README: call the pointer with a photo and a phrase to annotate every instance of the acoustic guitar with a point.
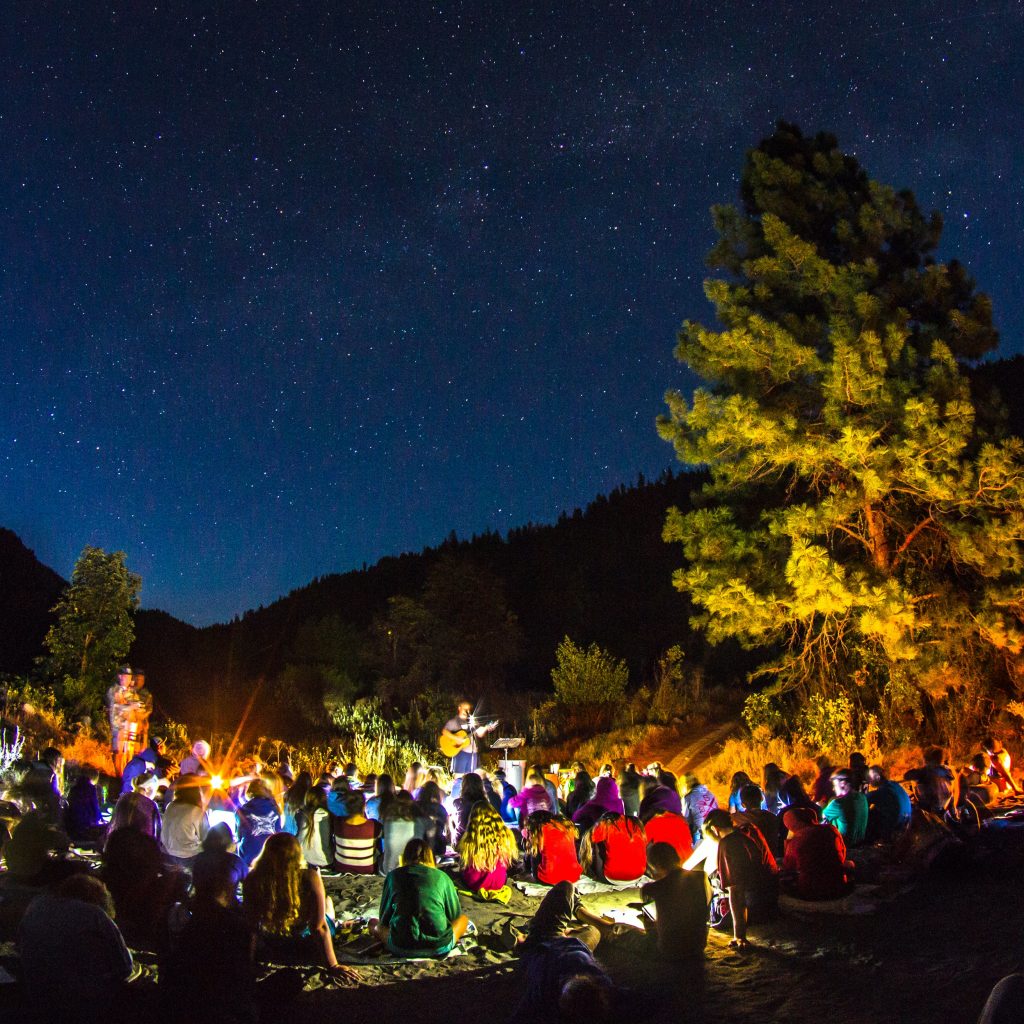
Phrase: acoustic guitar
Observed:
(455, 742)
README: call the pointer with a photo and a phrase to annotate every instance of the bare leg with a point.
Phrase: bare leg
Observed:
(459, 926)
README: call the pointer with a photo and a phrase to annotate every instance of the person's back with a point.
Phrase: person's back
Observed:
(815, 858)
(396, 831)
(849, 814)
(209, 962)
(889, 807)
(557, 861)
(73, 958)
(660, 798)
(617, 848)
(83, 819)
(744, 860)
(418, 905)
(356, 839)
(681, 900)
(258, 819)
(671, 828)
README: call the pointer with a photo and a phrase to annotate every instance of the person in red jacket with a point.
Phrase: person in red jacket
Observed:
(669, 827)
(551, 843)
(814, 866)
(615, 849)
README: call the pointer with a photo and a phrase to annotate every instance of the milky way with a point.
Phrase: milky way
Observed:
(288, 287)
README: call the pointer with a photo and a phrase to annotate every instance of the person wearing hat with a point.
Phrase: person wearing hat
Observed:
(814, 866)
(149, 759)
(129, 705)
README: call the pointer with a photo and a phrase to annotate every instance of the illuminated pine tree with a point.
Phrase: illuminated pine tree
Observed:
(861, 526)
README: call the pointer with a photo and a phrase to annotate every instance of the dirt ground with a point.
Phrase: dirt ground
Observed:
(929, 952)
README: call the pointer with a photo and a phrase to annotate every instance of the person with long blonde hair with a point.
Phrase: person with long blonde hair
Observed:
(284, 899)
(486, 849)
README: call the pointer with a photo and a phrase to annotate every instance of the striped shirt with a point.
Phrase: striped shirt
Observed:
(357, 847)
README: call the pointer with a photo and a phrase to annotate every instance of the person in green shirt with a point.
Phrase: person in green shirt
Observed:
(420, 913)
(848, 809)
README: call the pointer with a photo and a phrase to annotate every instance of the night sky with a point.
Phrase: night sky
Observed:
(288, 287)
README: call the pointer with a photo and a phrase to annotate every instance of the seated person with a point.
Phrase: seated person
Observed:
(747, 872)
(1000, 771)
(814, 866)
(848, 809)
(679, 923)
(356, 839)
(658, 795)
(557, 954)
(143, 887)
(420, 914)
(551, 844)
(486, 849)
(185, 821)
(615, 850)
(284, 901)
(768, 824)
(432, 819)
(138, 809)
(210, 961)
(314, 830)
(606, 800)
(197, 761)
(889, 806)
(505, 791)
(669, 827)
(398, 825)
(72, 954)
(83, 819)
(932, 782)
(218, 857)
(698, 801)
(533, 797)
(258, 819)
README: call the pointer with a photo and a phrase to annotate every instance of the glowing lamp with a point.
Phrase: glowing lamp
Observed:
(217, 782)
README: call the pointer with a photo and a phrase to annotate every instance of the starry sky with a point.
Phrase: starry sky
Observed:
(287, 287)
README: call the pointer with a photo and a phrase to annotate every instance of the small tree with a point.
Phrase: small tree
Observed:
(94, 628)
(590, 676)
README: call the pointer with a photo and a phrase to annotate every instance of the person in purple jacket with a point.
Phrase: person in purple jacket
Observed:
(606, 800)
(659, 795)
(534, 797)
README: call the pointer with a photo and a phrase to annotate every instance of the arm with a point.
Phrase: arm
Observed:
(318, 926)
(738, 905)
(327, 838)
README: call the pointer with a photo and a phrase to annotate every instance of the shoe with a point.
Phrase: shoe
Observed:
(471, 929)
(509, 935)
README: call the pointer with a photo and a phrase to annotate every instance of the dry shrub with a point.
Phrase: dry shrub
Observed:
(87, 750)
(750, 754)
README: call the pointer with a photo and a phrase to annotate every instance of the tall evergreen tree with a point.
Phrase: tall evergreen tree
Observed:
(860, 525)
(94, 628)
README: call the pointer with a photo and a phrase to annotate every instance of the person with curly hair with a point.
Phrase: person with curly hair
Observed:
(486, 849)
(284, 900)
(551, 845)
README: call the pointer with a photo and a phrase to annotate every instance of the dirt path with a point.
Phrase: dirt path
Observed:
(696, 753)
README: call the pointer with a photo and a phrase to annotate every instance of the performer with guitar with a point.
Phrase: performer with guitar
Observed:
(459, 736)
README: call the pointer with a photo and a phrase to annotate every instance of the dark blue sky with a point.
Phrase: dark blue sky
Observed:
(287, 287)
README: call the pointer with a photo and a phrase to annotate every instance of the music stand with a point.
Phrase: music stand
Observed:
(505, 744)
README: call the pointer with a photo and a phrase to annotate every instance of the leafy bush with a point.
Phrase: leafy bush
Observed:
(827, 724)
(378, 745)
(587, 677)
(763, 711)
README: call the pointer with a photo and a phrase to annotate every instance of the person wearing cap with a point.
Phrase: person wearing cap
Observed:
(149, 759)
(814, 866)
(848, 809)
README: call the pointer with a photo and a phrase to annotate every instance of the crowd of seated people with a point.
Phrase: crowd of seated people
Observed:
(175, 878)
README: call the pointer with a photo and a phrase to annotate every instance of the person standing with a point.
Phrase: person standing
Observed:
(129, 705)
(462, 731)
